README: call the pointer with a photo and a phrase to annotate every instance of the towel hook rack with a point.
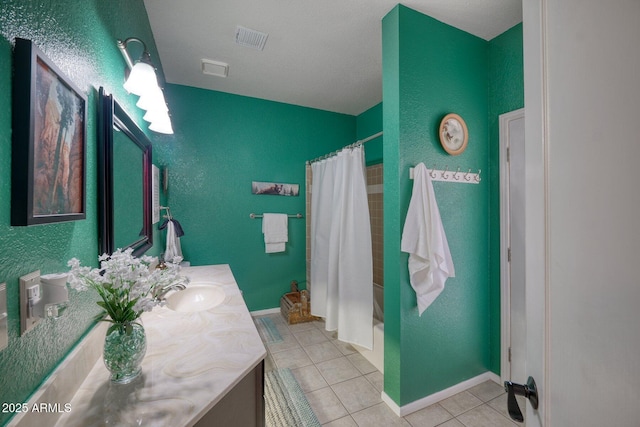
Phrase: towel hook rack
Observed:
(432, 172)
(451, 176)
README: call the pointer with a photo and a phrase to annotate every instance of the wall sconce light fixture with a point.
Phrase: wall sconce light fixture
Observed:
(143, 82)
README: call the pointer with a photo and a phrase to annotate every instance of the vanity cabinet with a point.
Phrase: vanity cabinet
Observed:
(202, 368)
(242, 406)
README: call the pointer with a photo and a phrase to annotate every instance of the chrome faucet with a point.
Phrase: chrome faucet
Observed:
(159, 296)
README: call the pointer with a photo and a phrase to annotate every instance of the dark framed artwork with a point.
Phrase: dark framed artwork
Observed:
(48, 165)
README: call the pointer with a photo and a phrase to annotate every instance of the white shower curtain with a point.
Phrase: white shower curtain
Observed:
(341, 263)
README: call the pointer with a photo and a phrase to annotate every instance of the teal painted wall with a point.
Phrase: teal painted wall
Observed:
(429, 70)
(506, 93)
(369, 123)
(79, 37)
(392, 202)
(222, 143)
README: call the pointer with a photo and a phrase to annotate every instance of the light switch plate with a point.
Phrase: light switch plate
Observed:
(4, 329)
(26, 322)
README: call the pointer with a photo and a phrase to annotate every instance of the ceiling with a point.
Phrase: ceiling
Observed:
(323, 54)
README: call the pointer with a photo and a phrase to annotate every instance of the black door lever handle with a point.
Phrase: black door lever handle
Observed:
(528, 390)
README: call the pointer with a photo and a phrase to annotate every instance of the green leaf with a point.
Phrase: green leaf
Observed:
(101, 317)
(113, 328)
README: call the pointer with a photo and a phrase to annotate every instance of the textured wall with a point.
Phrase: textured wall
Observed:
(79, 37)
(391, 203)
(224, 142)
(506, 93)
(429, 70)
(369, 123)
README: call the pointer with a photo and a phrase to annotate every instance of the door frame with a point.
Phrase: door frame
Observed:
(505, 239)
(536, 124)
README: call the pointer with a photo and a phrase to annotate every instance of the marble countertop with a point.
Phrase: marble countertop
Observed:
(192, 361)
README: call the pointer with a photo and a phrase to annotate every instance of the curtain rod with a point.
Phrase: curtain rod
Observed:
(355, 144)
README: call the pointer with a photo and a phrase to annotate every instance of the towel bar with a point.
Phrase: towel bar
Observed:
(254, 216)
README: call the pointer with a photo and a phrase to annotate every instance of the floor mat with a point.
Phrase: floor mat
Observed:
(268, 330)
(285, 402)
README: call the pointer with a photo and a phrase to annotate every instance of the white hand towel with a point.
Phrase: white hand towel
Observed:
(276, 233)
(423, 237)
(173, 250)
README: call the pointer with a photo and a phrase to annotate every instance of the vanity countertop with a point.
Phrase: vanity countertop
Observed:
(193, 360)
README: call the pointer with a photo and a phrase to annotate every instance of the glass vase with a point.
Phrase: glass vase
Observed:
(125, 345)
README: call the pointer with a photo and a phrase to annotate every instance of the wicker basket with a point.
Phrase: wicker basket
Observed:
(293, 308)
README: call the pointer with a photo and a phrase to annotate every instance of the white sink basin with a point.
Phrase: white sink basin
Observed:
(197, 297)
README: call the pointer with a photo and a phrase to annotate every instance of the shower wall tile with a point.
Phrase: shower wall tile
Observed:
(374, 174)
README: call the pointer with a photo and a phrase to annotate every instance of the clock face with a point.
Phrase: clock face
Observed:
(453, 134)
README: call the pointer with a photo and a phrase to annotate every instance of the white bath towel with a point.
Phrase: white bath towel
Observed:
(423, 237)
(276, 233)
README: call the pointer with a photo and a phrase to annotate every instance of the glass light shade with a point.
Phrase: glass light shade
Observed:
(142, 79)
(153, 100)
(162, 125)
(154, 115)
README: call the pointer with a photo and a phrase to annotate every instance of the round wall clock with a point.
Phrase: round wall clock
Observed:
(453, 134)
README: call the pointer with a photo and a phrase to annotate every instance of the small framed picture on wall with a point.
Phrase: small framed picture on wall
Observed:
(274, 188)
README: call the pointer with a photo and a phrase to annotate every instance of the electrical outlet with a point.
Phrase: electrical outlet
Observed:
(29, 287)
(4, 330)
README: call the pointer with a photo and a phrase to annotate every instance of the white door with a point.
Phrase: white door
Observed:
(512, 245)
(582, 97)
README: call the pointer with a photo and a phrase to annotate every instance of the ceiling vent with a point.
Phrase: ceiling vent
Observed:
(251, 38)
(215, 68)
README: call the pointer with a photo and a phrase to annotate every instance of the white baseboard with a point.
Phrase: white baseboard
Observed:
(416, 405)
(265, 312)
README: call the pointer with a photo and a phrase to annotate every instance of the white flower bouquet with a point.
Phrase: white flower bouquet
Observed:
(125, 284)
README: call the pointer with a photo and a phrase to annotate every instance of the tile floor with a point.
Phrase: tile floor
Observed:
(344, 389)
